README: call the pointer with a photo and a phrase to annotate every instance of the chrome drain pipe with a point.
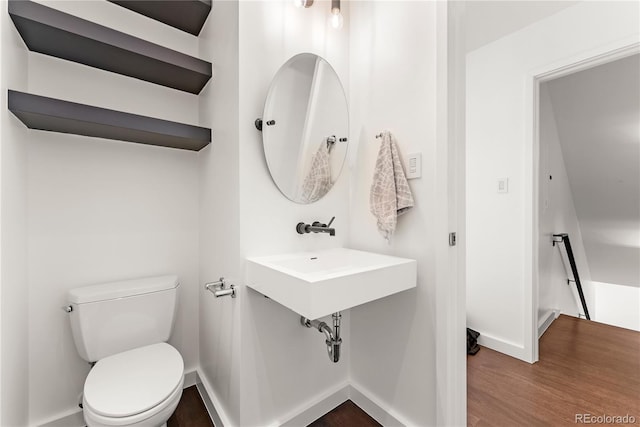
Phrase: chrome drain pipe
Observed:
(332, 337)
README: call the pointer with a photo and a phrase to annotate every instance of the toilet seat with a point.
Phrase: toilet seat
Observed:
(152, 418)
(134, 384)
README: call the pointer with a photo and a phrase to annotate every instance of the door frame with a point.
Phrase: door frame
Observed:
(450, 351)
(535, 78)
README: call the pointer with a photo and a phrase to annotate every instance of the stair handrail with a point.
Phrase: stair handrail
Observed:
(564, 238)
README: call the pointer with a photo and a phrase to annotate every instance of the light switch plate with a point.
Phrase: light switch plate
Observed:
(503, 185)
(414, 165)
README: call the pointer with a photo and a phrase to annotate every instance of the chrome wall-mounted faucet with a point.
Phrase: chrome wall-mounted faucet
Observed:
(316, 227)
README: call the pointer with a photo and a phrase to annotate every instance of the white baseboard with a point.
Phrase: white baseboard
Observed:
(317, 407)
(73, 420)
(375, 407)
(303, 415)
(190, 379)
(546, 320)
(76, 419)
(340, 394)
(503, 346)
(211, 402)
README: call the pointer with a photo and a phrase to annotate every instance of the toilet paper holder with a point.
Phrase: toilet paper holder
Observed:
(219, 288)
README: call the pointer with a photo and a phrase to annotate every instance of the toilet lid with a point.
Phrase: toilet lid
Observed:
(134, 381)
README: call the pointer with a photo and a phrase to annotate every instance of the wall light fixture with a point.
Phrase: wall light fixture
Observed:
(335, 19)
(336, 16)
(303, 3)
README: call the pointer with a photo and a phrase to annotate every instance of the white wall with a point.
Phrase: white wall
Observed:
(284, 365)
(251, 344)
(500, 226)
(1, 88)
(93, 211)
(219, 223)
(617, 305)
(13, 229)
(487, 21)
(102, 211)
(393, 86)
(557, 214)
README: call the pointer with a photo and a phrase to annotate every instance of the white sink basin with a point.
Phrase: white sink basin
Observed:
(315, 284)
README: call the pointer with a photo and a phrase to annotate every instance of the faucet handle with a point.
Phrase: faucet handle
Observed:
(319, 224)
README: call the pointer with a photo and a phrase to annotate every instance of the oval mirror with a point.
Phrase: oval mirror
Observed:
(305, 127)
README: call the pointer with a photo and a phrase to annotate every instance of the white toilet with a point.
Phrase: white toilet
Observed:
(123, 327)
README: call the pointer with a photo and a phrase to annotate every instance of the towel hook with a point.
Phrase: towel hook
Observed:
(331, 140)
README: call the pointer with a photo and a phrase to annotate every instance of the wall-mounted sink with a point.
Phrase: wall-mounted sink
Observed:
(316, 284)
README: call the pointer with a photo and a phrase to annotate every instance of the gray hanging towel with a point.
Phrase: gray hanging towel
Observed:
(318, 181)
(390, 193)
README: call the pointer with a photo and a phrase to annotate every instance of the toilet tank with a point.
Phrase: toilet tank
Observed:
(114, 317)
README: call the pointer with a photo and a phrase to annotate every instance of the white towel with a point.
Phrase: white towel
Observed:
(390, 193)
(318, 181)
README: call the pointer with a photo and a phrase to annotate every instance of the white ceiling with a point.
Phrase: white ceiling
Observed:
(597, 114)
(487, 21)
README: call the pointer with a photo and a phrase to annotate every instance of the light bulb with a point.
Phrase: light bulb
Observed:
(303, 3)
(335, 7)
(337, 20)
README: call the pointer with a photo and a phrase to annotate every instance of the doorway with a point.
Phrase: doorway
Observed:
(502, 155)
(589, 189)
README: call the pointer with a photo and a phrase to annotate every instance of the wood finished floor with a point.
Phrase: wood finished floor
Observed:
(585, 368)
(347, 414)
(191, 411)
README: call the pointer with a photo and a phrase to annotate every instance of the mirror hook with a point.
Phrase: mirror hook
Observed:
(258, 123)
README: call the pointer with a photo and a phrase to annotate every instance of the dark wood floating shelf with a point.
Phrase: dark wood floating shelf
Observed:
(185, 15)
(55, 115)
(51, 32)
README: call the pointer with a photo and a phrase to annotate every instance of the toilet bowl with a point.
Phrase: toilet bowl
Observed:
(139, 387)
